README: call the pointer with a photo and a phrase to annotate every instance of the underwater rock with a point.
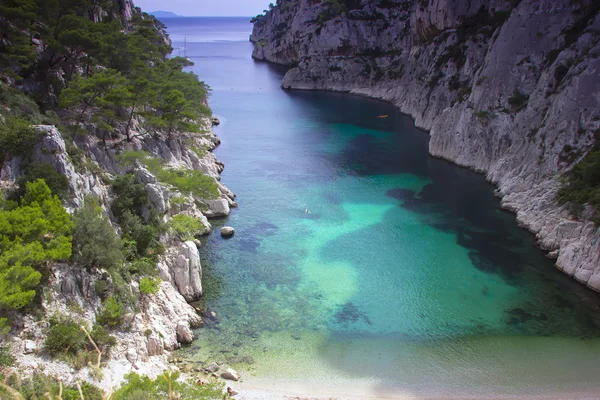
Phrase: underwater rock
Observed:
(214, 367)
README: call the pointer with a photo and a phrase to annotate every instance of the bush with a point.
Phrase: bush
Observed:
(17, 137)
(129, 196)
(186, 227)
(35, 232)
(64, 337)
(57, 182)
(582, 184)
(66, 341)
(149, 285)
(166, 386)
(95, 243)
(145, 236)
(143, 266)
(20, 105)
(40, 386)
(518, 100)
(112, 313)
(185, 180)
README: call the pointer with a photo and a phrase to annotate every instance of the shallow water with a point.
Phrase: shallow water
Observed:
(405, 274)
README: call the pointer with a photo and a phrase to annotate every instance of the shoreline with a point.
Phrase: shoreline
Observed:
(291, 391)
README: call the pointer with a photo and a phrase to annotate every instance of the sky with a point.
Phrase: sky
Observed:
(209, 8)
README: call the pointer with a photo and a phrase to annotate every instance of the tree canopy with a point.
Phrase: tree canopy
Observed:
(32, 233)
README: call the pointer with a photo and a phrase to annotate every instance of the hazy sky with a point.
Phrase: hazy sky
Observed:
(213, 8)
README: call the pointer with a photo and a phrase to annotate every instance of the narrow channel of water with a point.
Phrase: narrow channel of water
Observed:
(404, 275)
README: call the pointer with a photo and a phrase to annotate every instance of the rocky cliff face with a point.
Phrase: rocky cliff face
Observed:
(164, 320)
(508, 88)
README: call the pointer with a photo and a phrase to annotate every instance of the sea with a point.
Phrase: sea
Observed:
(360, 264)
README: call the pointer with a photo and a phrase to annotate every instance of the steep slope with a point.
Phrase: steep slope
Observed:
(114, 132)
(508, 88)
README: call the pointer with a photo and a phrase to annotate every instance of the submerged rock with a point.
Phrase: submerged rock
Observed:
(214, 367)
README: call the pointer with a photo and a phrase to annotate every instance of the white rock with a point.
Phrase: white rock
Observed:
(29, 346)
(142, 175)
(187, 271)
(227, 231)
(184, 333)
(217, 208)
(230, 374)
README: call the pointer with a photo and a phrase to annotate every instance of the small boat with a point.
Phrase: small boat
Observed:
(185, 49)
(382, 116)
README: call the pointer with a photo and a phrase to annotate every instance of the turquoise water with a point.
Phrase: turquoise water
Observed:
(405, 274)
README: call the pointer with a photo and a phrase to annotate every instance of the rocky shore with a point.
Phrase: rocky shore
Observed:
(163, 321)
(506, 88)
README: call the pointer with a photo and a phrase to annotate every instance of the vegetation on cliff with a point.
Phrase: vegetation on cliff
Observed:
(98, 75)
(582, 185)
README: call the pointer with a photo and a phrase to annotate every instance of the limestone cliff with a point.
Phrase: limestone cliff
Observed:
(162, 321)
(509, 88)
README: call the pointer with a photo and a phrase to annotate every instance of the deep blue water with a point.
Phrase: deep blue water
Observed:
(406, 273)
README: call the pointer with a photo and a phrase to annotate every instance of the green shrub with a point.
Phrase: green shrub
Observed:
(17, 137)
(64, 337)
(6, 357)
(581, 185)
(20, 105)
(143, 266)
(40, 386)
(144, 235)
(57, 182)
(186, 227)
(95, 243)
(65, 340)
(185, 180)
(166, 386)
(518, 100)
(484, 114)
(129, 196)
(149, 285)
(112, 313)
(35, 232)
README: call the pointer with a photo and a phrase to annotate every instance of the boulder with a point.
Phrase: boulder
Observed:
(187, 271)
(214, 367)
(142, 175)
(155, 346)
(227, 231)
(217, 208)
(184, 333)
(29, 346)
(230, 374)
(158, 197)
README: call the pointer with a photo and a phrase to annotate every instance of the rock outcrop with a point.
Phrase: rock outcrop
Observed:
(181, 266)
(165, 319)
(507, 88)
